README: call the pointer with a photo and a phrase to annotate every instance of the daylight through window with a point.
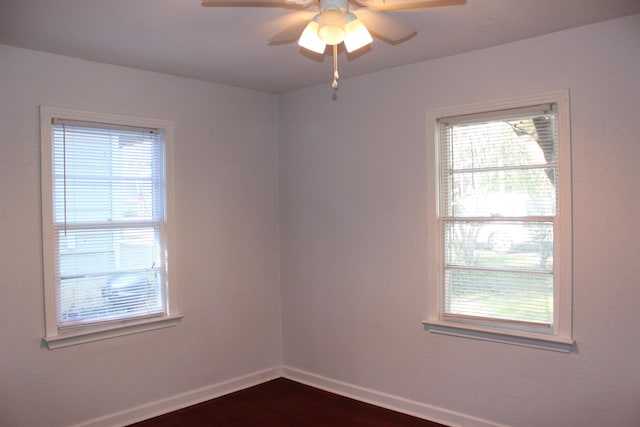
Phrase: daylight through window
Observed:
(106, 231)
(108, 214)
(499, 220)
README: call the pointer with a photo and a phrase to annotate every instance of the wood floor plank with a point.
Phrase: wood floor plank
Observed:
(285, 403)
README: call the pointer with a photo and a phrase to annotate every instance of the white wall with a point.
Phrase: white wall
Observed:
(353, 236)
(351, 204)
(226, 212)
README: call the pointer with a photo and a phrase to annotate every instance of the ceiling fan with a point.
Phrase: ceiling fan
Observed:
(335, 23)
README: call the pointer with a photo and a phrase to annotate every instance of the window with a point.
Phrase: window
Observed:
(502, 227)
(106, 234)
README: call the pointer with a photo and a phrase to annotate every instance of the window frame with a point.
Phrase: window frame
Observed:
(56, 337)
(560, 337)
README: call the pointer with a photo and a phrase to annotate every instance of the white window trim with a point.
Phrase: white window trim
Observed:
(561, 337)
(54, 337)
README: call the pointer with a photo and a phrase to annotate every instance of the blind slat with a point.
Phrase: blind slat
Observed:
(509, 113)
(108, 213)
(498, 202)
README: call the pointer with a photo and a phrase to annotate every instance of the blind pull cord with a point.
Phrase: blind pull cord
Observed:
(64, 173)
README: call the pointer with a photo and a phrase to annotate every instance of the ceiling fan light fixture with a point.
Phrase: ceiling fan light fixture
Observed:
(331, 27)
(309, 38)
(356, 34)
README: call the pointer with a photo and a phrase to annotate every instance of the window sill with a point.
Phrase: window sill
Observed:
(69, 338)
(544, 342)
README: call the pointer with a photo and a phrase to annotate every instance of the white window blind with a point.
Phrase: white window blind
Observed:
(498, 217)
(108, 222)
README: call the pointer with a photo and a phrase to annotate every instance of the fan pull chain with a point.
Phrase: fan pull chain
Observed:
(336, 76)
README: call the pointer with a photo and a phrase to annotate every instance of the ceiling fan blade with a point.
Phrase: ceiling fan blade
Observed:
(293, 25)
(289, 4)
(406, 4)
(248, 3)
(385, 27)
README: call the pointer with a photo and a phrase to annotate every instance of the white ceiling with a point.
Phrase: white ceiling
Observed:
(230, 45)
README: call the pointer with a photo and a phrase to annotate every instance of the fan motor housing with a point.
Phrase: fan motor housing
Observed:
(341, 6)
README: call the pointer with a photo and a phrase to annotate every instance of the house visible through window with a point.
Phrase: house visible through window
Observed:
(503, 221)
(105, 222)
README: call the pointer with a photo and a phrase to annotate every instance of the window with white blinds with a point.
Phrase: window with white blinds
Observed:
(500, 196)
(105, 222)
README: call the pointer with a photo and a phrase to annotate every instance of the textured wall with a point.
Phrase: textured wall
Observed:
(226, 243)
(350, 205)
(354, 240)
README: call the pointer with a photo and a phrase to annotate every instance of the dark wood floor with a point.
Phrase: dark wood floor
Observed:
(284, 403)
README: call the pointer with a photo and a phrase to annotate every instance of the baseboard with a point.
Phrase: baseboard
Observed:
(173, 403)
(183, 400)
(410, 407)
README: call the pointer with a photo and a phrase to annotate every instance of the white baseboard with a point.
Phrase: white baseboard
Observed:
(396, 403)
(173, 403)
(183, 400)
